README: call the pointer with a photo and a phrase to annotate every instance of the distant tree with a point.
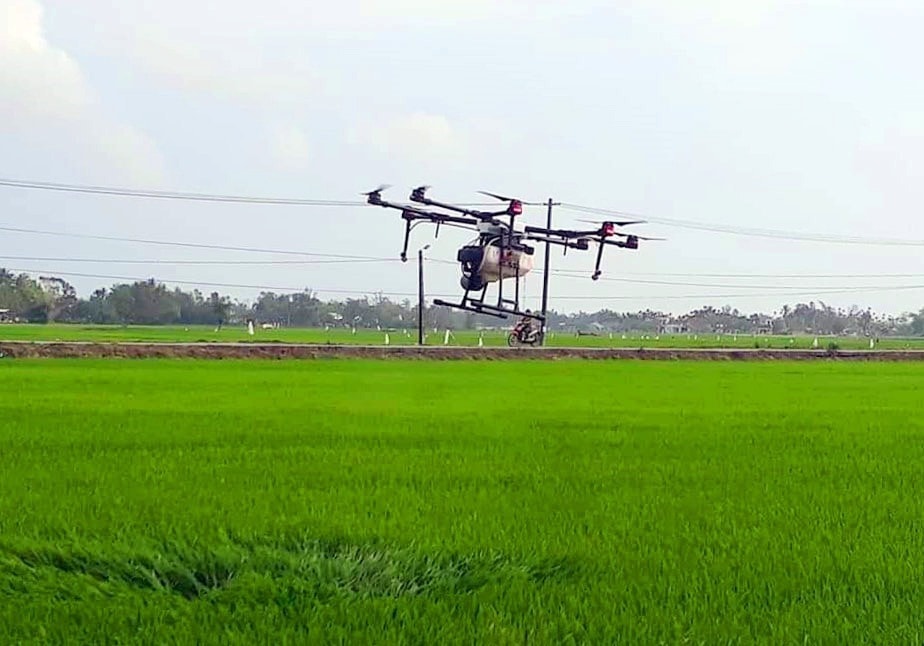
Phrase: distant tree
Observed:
(917, 323)
(59, 297)
(149, 302)
(219, 306)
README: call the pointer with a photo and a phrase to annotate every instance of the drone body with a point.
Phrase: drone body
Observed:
(491, 262)
(500, 252)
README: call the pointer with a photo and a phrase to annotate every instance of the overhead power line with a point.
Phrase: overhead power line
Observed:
(748, 231)
(160, 261)
(246, 199)
(731, 275)
(572, 274)
(172, 195)
(250, 263)
(811, 294)
(71, 274)
(642, 281)
(566, 273)
(598, 298)
(265, 200)
(192, 197)
(191, 245)
(346, 258)
(350, 258)
(831, 289)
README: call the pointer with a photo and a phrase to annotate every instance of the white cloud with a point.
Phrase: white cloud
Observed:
(444, 10)
(418, 136)
(128, 149)
(752, 36)
(288, 146)
(227, 74)
(454, 12)
(36, 79)
(44, 95)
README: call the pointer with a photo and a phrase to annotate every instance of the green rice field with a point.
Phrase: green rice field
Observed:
(196, 334)
(355, 502)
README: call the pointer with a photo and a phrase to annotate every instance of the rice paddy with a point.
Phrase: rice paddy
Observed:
(165, 501)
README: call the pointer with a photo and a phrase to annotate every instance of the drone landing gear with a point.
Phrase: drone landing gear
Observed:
(475, 309)
(478, 307)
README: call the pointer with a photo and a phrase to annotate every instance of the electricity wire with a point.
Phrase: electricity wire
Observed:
(814, 293)
(748, 231)
(265, 200)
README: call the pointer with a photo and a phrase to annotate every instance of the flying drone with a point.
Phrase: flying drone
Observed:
(500, 251)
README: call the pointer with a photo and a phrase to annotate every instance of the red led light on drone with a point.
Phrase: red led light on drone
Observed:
(609, 228)
(516, 207)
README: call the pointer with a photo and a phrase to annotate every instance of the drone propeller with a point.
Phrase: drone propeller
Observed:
(623, 223)
(498, 197)
(514, 205)
(628, 235)
(419, 193)
(383, 187)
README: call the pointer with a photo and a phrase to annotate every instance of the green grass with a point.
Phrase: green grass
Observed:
(461, 502)
(194, 334)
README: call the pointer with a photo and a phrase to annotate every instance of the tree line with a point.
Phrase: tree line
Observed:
(49, 299)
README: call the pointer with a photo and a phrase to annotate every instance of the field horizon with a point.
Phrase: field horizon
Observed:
(408, 336)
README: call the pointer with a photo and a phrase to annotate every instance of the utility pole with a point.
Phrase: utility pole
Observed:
(545, 275)
(420, 295)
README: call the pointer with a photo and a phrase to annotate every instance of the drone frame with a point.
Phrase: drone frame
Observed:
(492, 228)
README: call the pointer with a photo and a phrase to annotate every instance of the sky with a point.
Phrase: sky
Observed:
(803, 117)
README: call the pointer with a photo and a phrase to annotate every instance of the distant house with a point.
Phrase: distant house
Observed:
(764, 326)
(672, 327)
(5, 316)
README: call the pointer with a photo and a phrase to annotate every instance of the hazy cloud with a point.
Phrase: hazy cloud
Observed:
(231, 75)
(45, 94)
(37, 81)
(417, 136)
(289, 147)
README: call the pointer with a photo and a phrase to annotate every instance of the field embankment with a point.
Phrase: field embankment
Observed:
(73, 350)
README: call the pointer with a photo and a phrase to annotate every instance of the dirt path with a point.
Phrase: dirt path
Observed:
(54, 350)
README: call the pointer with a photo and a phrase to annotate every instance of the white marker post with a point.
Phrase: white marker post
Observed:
(481, 340)
(250, 328)
(387, 340)
(815, 343)
(446, 337)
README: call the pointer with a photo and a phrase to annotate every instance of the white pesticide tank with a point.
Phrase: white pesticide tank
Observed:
(514, 263)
